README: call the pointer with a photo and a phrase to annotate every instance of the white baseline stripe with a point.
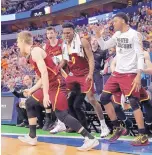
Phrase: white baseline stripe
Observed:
(58, 136)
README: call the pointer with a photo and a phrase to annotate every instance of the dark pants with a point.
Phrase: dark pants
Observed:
(98, 80)
(22, 115)
(76, 109)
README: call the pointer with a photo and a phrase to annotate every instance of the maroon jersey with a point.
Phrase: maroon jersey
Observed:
(54, 50)
(53, 72)
(78, 65)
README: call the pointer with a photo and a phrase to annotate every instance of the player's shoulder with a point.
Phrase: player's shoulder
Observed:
(36, 49)
(116, 34)
(132, 31)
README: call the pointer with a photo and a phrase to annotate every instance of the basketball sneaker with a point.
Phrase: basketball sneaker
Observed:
(104, 131)
(140, 140)
(60, 127)
(47, 125)
(27, 139)
(118, 131)
(88, 144)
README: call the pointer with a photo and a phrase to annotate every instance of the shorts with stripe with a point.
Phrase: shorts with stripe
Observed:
(86, 86)
(57, 94)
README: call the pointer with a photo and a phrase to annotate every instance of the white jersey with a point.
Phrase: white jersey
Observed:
(129, 50)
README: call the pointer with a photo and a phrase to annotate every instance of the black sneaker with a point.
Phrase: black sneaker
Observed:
(47, 125)
(118, 131)
(140, 140)
(38, 126)
(21, 125)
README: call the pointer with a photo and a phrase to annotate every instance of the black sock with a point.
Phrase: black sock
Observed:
(116, 123)
(32, 133)
(85, 133)
(142, 131)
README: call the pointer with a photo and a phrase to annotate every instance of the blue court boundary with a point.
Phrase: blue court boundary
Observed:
(121, 146)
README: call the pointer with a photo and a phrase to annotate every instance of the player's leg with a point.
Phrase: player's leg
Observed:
(133, 97)
(60, 106)
(50, 119)
(98, 109)
(110, 87)
(146, 104)
(32, 118)
(31, 103)
(116, 100)
(87, 88)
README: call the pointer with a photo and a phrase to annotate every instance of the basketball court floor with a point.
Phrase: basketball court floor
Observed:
(64, 144)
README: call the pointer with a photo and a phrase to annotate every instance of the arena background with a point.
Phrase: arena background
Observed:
(36, 16)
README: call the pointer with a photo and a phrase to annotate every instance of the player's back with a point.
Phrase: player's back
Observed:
(53, 72)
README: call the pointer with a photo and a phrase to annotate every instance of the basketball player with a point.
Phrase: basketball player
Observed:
(81, 68)
(144, 97)
(127, 75)
(53, 48)
(49, 89)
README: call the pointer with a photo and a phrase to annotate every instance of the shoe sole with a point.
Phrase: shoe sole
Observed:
(27, 142)
(124, 133)
(57, 132)
(144, 144)
(105, 135)
(95, 144)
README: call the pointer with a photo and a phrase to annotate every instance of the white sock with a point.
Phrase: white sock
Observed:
(102, 123)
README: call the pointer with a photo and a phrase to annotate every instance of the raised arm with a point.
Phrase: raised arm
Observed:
(104, 44)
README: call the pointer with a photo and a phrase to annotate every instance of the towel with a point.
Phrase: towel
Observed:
(76, 47)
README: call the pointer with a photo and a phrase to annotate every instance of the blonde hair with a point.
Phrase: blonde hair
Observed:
(25, 36)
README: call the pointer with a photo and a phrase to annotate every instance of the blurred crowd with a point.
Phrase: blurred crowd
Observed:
(22, 6)
(13, 65)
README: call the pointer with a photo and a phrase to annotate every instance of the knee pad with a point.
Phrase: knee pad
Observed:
(61, 115)
(30, 107)
(134, 102)
(105, 98)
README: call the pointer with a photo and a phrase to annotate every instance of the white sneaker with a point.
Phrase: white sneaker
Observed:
(104, 131)
(88, 144)
(27, 139)
(60, 127)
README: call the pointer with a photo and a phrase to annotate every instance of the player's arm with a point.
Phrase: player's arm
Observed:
(62, 64)
(36, 86)
(38, 56)
(89, 54)
(113, 65)
(104, 44)
(148, 63)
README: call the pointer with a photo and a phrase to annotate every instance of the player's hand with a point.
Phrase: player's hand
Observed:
(137, 83)
(89, 77)
(46, 100)
(98, 30)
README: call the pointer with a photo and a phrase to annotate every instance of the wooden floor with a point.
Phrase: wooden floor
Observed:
(10, 146)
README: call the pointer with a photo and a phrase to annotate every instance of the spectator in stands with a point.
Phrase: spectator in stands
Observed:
(22, 115)
(100, 57)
